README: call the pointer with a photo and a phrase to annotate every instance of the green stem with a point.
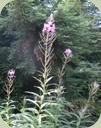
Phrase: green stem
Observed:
(45, 74)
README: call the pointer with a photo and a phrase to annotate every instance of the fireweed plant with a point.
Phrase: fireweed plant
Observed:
(44, 111)
(47, 108)
(8, 104)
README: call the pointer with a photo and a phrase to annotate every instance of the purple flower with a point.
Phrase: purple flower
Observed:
(49, 27)
(11, 74)
(45, 27)
(68, 53)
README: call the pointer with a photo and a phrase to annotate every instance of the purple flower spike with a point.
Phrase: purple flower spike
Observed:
(68, 53)
(49, 27)
(11, 74)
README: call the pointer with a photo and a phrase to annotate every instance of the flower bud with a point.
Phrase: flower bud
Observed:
(11, 74)
(68, 53)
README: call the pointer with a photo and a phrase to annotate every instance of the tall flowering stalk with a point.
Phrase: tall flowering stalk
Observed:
(9, 85)
(8, 88)
(42, 101)
(67, 57)
(60, 99)
(48, 36)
